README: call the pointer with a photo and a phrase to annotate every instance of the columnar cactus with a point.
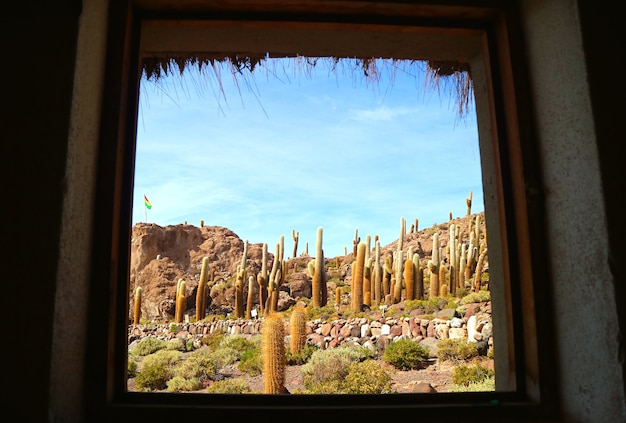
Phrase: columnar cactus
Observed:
(338, 296)
(409, 279)
(201, 292)
(355, 241)
(274, 357)
(241, 274)
(319, 277)
(452, 258)
(297, 329)
(479, 272)
(378, 275)
(367, 280)
(261, 279)
(277, 276)
(387, 274)
(295, 236)
(468, 201)
(433, 266)
(357, 277)
(181, 301)
(250, 302)
(397, 288)
(137, 306)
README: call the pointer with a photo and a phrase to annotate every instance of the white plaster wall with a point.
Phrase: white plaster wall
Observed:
(584, 303)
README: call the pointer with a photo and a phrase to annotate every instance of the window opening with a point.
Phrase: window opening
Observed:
(240, 153)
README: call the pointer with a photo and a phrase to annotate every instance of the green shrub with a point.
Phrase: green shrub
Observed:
(430, 306)
(251, 362)
(456, 350)
(149, 346)
(405, 354)
(179, 383)
(327, 368)
(368, 377)
(487, 385)
(476, 297)
(176, 344)
(156, 370)
(301, 356)
(200, 364)
(467, 374)
(213, 340)
(229, 386)
(132, 368)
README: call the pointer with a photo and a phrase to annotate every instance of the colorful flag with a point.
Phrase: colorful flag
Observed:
(148, 203)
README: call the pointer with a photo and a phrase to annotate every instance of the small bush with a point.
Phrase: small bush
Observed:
(200, 364)
(149, 346)
(176, 344)
(156, 370)
(477, 297)
(301, 356)
(327, 368)
(368, 377)
(132, 368)
(456, 350)
(405, 354)
(229, 386)
(430, 306)
(213, 340)
(251, 362)
(179, 383)
(487, 385)
(466, 375)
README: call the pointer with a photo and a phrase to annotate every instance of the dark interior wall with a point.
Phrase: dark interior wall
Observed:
(38, 55)
(602, 32)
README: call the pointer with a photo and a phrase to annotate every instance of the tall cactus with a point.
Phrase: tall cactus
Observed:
(319, 276)
(479, 271)
(181, 301)
(433, 266)
(387, 274)
(357, 277)
(378, 276)
(367, 280)
(295, 236)
(397, 288)
(201, 292)
(274, 357)
(137, 306)
(262, 280)
(419, 278)
(297, 329)
(468, 202)
(409, 279)
(250, 302)
(452, 258)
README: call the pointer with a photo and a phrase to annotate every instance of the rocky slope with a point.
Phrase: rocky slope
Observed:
(160, 256)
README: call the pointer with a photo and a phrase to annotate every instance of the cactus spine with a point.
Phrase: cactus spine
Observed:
(201, 292)
(137, 306)
(357, 277)
(274, 357)
(297, 329)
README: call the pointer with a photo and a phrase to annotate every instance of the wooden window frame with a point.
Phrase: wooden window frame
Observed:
(484, 33)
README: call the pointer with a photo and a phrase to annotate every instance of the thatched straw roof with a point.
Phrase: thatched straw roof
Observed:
(437, 72)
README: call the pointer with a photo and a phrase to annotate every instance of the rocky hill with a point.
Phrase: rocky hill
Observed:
(160, 256)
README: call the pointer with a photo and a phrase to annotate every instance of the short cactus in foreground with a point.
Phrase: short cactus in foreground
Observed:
(181, 301)
(274, 354)
(357, 277)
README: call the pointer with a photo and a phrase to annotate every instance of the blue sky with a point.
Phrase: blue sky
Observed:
(294, 147)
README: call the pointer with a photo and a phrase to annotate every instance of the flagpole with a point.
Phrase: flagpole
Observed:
(145, 208)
